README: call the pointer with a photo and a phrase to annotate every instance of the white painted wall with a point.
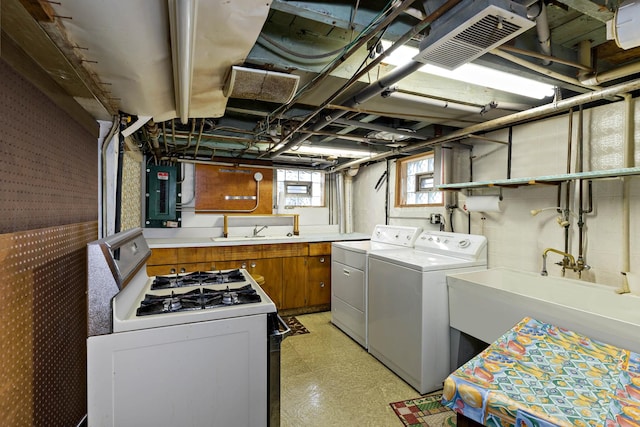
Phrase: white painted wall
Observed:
(516, 239)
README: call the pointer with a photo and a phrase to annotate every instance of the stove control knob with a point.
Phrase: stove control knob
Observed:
(408, 237)
(430, 239)
(464, 243)
(438, 239)
(446, 240)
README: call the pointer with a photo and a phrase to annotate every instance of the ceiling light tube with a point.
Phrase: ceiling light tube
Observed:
(475, 74)
(182, 15)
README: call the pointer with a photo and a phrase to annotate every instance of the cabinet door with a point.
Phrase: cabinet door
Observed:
(294, 282)
(271, 270)
(319, 280)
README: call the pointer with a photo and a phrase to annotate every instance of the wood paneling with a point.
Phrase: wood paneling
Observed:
(323, 248)
(294, 278)
(217, 186)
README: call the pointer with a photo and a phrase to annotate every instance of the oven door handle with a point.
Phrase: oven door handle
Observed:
(287, 329)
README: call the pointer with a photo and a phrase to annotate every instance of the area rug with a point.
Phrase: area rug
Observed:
(297, 328)
(425, 411)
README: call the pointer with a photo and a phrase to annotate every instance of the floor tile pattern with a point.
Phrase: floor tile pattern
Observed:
(330, 380)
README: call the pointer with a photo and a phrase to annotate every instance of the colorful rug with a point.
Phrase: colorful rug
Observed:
(425, 411)
(297, 328)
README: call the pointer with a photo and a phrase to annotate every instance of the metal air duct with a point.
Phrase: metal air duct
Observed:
(471, 29)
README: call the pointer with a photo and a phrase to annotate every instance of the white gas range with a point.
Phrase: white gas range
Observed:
(190, 349)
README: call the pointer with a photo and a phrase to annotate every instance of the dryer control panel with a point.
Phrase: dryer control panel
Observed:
(467, 246)
(396, 235)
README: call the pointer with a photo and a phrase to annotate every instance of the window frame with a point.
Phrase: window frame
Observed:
(311, 192)
(402, 182)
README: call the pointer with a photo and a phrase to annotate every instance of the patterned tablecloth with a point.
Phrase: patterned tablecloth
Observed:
(541, 375)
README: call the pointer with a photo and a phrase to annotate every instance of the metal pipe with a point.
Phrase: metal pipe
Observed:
(105, 179)
(119, 170)
(544, 34)
(374, 88)
(542, 70)
(352, 50)
(432, 101)
(370, 91)
(550, 58)
(626, 190)
(509, 152)
(373, 126)
(522, 116)
(606, 76)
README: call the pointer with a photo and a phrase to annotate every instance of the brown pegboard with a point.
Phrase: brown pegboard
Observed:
(49, 167)
(44, 317)
(49, 211)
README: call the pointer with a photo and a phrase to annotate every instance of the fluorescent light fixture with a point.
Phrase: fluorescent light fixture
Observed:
(331, 152)
(182, 23)
(474, 74)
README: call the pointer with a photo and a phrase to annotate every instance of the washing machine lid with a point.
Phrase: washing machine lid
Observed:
(425, 261)
(383, 237)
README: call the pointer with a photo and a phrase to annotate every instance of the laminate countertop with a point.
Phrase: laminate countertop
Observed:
(182, 242)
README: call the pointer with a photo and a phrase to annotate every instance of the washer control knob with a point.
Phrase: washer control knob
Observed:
(464, 243)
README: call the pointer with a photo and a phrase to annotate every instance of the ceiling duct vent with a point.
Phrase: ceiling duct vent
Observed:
(260, 85)
(470, 30)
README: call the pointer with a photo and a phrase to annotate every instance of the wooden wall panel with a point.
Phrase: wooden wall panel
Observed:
(217, 186)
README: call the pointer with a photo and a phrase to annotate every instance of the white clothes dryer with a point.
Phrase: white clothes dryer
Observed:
(349, 262)
(408, 311)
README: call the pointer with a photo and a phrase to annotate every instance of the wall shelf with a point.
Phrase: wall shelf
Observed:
(549, 179)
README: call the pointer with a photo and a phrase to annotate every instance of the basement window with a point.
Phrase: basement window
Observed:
(300, 188)
(416, 178)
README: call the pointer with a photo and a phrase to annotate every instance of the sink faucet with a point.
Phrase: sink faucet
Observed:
(256, 230)
(567, 262)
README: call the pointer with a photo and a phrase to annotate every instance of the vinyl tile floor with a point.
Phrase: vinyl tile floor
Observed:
(327, 379)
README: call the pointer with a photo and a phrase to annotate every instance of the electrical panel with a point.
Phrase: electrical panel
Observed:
(162, 197)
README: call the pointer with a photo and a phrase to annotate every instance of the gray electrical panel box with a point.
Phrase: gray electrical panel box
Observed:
(162, 197)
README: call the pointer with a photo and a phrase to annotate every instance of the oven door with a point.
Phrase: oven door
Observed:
(196, 374)
(278, 330)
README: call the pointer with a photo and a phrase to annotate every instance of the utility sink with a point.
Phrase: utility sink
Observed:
(250, 238)
(485, 304)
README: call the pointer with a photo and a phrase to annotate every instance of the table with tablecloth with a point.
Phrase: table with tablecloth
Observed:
(538, 374)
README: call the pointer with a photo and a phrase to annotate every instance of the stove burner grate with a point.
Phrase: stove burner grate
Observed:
(197, 278)
(196, 299)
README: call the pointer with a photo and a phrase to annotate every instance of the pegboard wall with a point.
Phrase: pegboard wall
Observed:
(49, 163)
(49, 211)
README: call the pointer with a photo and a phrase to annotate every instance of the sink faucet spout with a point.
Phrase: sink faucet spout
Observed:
(568, 261)
(257, 230)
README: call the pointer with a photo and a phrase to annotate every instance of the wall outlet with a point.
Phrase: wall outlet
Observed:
(435, 218)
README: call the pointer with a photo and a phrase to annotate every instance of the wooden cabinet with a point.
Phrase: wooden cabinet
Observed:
(269, 268)
(319, 280)
(294, 282)
(306, 280)
(297, 275)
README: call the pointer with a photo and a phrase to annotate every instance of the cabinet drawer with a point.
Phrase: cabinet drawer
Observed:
(162, 256)
(323, 248)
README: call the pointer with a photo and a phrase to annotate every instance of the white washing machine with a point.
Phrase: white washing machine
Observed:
(349, 276)
(408, 311)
